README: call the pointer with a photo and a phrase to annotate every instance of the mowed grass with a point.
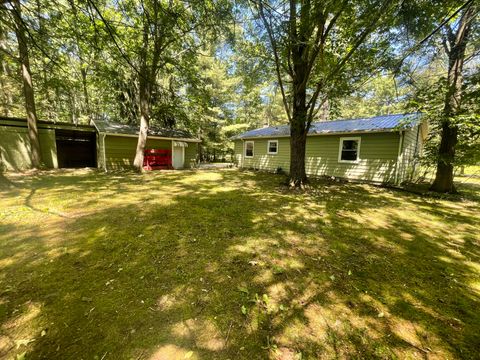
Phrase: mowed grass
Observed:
(230, 265)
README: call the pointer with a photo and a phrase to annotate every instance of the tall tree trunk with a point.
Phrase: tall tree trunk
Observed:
(73, 105)
(298, 121)
(298, 177)
(298, 139)
(6, 94)
(456, 56)
(27, 87)
(45, 74)
(83, 71)
(144, 93)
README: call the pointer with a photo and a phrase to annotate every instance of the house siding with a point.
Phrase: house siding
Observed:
(112, 152)
(15, 148)
(120, 150)
(410, 150)
(238, 150)
(378, 156)
(264, 161)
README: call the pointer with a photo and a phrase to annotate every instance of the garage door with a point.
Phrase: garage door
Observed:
(76, 149)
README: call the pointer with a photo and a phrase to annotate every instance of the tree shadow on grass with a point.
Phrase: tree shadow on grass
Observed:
(224, 265)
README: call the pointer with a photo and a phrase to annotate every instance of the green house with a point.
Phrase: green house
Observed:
(381, 149)
(117, 144)
(102, 145)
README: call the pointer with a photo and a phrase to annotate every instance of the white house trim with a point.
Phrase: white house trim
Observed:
(174, 157)
(399, 157)
(154, 137)
(268, 147)
(340, 147)
(245, 149)
(104, 153)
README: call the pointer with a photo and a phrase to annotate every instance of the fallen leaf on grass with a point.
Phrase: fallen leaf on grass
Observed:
(243, 289)
(24, 342)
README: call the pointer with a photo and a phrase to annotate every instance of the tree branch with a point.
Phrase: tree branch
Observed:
(360, 39)
(112, 36)
(276, 58)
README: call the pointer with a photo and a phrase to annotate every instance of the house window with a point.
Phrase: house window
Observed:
(272, 147)
(249, 149)
(349, 150)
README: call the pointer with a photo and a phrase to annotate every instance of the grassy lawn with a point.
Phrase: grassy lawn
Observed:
(227, 265)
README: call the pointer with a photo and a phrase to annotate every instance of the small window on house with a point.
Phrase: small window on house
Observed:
(272, 147)
(349, 150)
(248, 149)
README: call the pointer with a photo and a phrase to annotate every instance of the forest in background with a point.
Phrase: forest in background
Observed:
(206, 66)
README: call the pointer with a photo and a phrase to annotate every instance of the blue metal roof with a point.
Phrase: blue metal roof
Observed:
(383, 123)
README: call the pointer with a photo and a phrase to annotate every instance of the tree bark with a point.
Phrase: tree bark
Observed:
(458, 41)
(27, 87)
(144, 94)
(444, 176)
(298, 136)
(299, 120)
(5, 92)
(83, 72)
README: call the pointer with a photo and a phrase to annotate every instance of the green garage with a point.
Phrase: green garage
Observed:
(103, 145)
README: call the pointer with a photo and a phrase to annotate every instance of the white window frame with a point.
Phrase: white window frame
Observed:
(245, 149)
(340, 147)
(268, 147)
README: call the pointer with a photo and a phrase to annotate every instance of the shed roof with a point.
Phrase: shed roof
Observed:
(383, 123)
(104, 126)
(42, 124)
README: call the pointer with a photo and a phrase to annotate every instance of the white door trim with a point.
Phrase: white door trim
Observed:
(173, 156)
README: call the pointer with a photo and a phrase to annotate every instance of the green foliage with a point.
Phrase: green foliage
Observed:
(428, 86)
(381, 95)
(88, 57)
(344, 43)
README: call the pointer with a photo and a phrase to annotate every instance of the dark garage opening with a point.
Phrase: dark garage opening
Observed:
(76, 149)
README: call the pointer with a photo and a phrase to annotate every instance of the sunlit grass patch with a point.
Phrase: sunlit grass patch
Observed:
(230, 265)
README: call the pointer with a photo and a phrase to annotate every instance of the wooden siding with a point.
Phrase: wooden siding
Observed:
(15, 148)
(378, 156)
(120, 150)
